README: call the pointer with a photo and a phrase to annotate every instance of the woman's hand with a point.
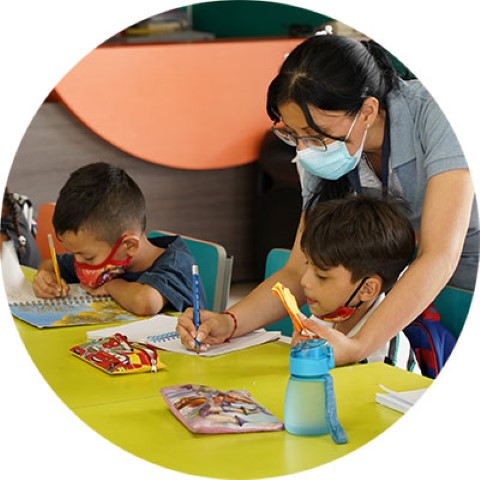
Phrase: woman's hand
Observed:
(214, 328)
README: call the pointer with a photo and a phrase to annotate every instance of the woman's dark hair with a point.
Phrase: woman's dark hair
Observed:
(365, 235)
(332, 73)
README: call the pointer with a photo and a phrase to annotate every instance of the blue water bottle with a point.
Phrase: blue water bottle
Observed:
(310, 406)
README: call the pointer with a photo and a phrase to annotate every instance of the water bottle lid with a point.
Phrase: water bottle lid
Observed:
(311, 358)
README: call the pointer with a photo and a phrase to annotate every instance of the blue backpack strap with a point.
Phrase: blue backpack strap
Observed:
(336, 431)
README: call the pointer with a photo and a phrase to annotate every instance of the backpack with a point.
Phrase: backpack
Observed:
(28, 211)
(431, 341)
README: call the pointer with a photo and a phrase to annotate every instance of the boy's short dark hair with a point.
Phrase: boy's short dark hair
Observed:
(365, 235)
(101, 198)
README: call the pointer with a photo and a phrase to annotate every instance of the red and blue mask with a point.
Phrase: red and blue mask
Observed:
(94, 276)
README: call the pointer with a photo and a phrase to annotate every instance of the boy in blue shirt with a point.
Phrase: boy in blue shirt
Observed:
(100, 219)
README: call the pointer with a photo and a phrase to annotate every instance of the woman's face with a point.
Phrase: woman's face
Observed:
(333, 122)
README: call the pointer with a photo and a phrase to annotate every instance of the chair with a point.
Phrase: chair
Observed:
(453, 305)
(215, 268)
(276, 259)
(44, 227)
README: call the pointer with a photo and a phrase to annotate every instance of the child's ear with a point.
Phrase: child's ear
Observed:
(132, 243)
(371, 289)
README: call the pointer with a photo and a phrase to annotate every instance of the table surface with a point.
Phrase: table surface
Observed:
(129, 411)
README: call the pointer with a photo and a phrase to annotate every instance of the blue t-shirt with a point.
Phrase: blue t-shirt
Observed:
(170, 274)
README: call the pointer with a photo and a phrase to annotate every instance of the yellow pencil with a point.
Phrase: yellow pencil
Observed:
(54, 259)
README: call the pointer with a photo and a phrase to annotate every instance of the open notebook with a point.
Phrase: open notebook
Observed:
(159, 332)
(79, 308)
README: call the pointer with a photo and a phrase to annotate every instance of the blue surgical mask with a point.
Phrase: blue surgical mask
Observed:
(335, 162)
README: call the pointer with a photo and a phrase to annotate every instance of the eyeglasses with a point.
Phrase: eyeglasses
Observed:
(291, 139)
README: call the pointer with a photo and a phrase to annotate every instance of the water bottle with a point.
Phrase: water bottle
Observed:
(310, 407)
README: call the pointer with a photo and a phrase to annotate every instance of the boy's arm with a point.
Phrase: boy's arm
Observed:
(135, 297)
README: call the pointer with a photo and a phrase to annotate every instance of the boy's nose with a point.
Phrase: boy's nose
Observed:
(303, 279)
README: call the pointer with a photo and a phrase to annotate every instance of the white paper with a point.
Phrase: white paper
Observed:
(400, 401)
(141, 330)
(17, 287)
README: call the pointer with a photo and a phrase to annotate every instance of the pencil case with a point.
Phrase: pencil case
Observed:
(117, 355)
(204, 409)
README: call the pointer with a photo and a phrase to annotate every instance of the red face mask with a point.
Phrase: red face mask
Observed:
(345, 312)
(94, 276)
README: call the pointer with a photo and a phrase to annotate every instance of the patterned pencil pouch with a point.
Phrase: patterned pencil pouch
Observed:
(204, 409)
(116, 355)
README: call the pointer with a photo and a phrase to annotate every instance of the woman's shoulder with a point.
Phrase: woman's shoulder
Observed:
(412, 92)
(413, 105)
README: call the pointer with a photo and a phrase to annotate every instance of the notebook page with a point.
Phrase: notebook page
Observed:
(174, 344)
(400, 401)
(19, 289)
(138, 331)
(159, 332)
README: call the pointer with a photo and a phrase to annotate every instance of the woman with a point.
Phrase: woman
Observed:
(357, 126)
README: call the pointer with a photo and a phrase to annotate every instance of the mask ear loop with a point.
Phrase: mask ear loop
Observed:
(351, 126)
(352, 296)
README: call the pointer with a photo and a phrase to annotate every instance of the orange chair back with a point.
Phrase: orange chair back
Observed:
(44, 227)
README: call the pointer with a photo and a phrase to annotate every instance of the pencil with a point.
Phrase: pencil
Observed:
(53, 254)
(196, 302)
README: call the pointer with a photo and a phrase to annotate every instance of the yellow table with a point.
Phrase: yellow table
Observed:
(129, 411)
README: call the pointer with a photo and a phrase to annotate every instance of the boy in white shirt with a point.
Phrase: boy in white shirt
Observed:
(356, 248)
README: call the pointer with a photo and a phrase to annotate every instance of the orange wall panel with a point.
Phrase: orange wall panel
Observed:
(189, 106)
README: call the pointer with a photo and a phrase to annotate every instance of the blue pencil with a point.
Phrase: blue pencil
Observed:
(196, 301)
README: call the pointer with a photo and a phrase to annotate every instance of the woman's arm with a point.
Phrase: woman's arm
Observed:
(261, 307)
(256, 310)
(445, 219)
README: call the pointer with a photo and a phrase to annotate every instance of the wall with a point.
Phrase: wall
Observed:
(216, 205)
(237, 19)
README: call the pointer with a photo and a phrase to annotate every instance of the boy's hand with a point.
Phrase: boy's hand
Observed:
(298, 337)
(345, 349)
(45, 285)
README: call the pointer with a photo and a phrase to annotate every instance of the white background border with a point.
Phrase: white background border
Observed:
(41, 41)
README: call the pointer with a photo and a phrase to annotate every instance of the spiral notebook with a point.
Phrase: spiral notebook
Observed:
(71, 311)
(79, 308)
(159, 332)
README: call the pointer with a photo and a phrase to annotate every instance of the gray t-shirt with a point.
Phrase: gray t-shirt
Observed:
(423, 144)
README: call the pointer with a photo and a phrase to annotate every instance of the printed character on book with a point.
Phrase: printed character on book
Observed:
(216, 407)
